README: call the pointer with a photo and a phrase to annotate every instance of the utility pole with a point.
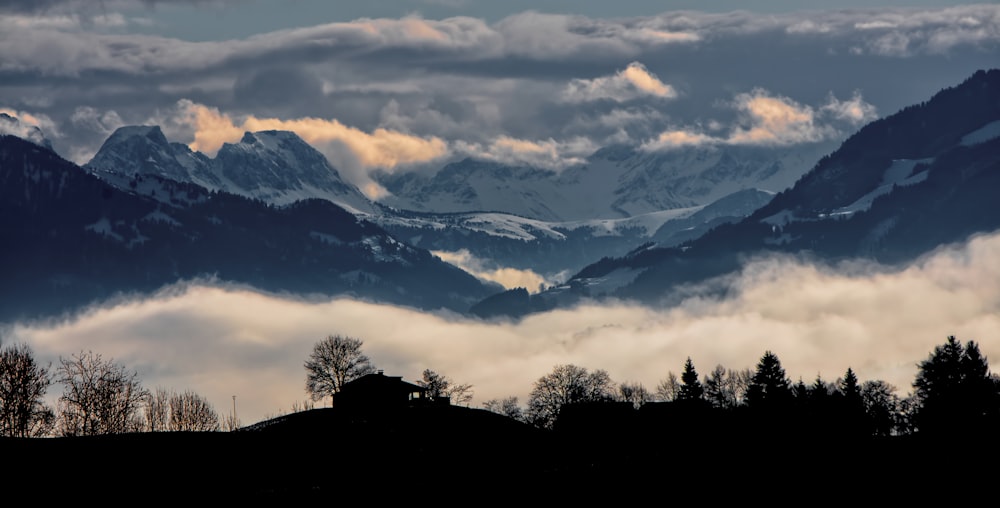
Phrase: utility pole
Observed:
(235, 419)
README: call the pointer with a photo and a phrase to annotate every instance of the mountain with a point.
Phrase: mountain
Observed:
(615, 182)
(275, 166)
(898, 188)
(558, 249)
(70, 239)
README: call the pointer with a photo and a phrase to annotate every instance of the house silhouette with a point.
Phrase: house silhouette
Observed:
(378, 391)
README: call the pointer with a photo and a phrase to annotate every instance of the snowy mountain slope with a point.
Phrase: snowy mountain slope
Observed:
(555, 249)
(898, 188)
(71, 239)
(615, 182)
(273, 166)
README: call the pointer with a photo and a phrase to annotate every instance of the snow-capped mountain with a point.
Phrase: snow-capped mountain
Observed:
(898, 188)
(71, 239)
(274, 166)
(556, 249)
(615, 182)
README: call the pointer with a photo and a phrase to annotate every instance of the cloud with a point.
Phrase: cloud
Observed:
(546, 154)
(45, 6)
(773, 120)
(27, 121)
(631, 82)
(509, 278)
(382, 148)
(819, 320)
(90, 118)
(855, 110)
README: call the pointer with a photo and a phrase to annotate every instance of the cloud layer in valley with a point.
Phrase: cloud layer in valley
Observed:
(818, 320)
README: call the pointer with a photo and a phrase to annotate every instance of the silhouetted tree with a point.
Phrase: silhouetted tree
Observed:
(439, 386)
(955, 389)
(726, 389)
(850, 408)
(769, 387)
(334, 361)
(566, 384)
(23, 383)
(192, 412)
(633, 393)
(691, 389)
(99, 396)
(668, 388)
(506, 406)
(882, 406)
(156, 408)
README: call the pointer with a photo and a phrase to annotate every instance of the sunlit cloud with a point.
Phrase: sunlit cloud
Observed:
(819, 320)
(855, 110)
(507, 277)
(381, 148)
(26, 123)
(773, 120)
(632, 82)
(546, 154)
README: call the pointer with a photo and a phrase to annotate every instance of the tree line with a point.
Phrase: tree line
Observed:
(953, 389)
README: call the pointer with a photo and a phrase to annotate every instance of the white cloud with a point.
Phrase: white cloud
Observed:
(507, 277)
(546, 154)
(855, 110)
(91, 118)
(772, 120)
(634, 81)
(819, 321)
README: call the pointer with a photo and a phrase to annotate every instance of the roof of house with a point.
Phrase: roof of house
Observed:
(379, 381)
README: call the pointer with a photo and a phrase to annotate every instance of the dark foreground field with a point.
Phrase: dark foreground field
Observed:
(456, 455)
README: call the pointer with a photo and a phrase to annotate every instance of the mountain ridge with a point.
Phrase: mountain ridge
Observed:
(72, 239)
(900, 187)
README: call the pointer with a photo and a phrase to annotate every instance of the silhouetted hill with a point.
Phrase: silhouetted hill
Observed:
(457, 456)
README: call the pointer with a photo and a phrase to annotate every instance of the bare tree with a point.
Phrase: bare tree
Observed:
(191, 412)
(441, 386)
(726, 389)
(333, 362)
(23, 383)
(231, 423)
(506, 406)
(566, 384)
(668, 389)
(156, 408)
(634, 393)
(99, 397)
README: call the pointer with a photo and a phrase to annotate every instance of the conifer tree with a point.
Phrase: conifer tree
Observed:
(769, 387)
(691, 389)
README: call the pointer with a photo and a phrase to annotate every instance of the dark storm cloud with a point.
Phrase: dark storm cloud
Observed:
(47, 6)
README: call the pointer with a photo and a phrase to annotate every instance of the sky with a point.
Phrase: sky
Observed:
(410, 85)
(403, 85)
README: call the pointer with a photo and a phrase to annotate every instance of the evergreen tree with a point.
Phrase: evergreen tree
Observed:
(850, 408)
(769, 387)
(691, 389)
(955, 390)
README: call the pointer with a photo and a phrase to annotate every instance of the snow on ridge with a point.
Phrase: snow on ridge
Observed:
(897, 174)
(982, 134)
